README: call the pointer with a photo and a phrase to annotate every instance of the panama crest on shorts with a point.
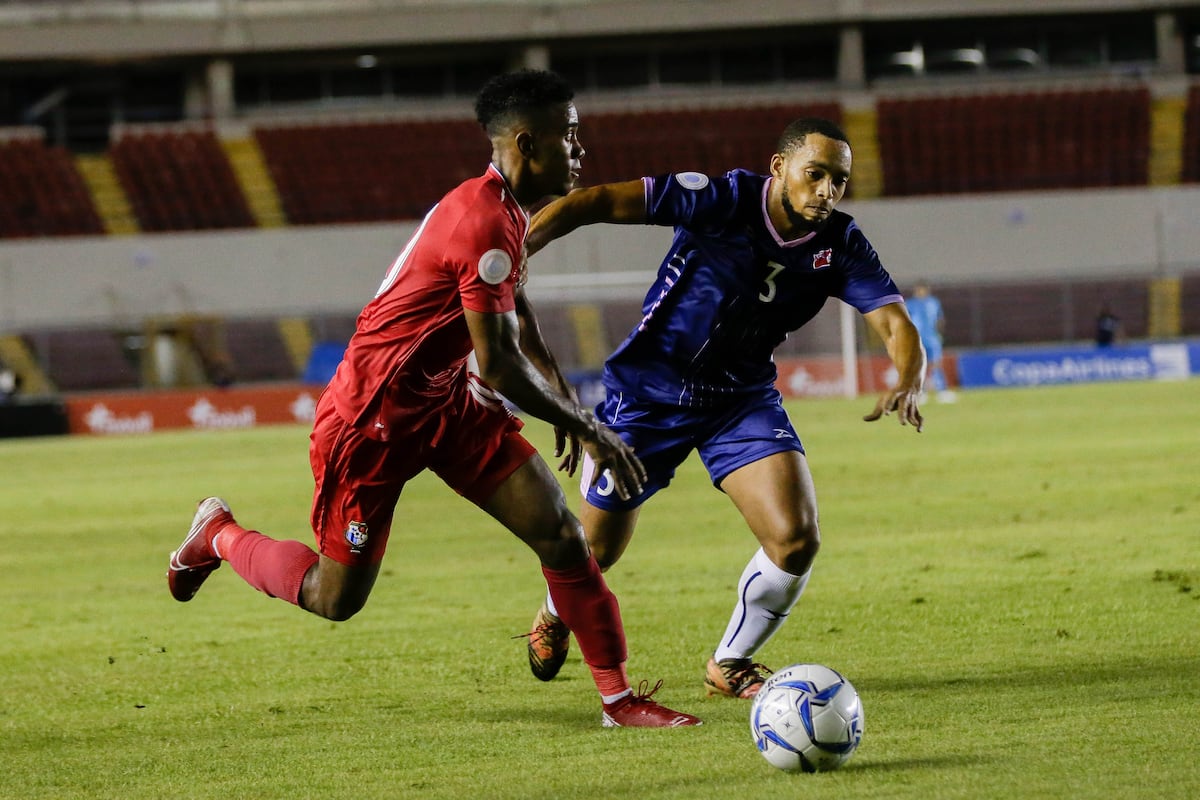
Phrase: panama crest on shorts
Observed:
(356, 536)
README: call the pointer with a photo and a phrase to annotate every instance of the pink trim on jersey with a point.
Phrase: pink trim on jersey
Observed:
(779, 240)
(411, 342)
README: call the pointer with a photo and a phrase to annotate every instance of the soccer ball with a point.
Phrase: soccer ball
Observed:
(806, 718)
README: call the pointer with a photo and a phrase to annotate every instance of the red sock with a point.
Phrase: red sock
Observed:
(274, 567)
(585, 603)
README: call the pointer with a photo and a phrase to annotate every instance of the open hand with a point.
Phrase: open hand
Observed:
(904, 402)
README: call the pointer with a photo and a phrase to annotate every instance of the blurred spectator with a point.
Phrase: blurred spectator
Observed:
(926, 312)
(10, 382)
(1107, 325)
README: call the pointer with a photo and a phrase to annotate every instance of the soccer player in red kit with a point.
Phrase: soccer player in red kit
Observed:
(404, 400)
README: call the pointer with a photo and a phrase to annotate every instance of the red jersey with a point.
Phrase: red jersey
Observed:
(411, 342)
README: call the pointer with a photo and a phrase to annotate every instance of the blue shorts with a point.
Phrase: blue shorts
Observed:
(726, 439)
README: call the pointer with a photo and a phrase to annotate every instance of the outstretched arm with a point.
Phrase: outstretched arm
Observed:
(503, 365)
(622, 203)
(903, 343)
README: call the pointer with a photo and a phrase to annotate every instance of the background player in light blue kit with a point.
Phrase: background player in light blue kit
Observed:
(926, 312)
(753, 258)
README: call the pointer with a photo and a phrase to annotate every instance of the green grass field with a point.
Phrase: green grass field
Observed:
(1015, 593)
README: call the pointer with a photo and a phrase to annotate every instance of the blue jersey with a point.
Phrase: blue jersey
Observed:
(926, 313)
(730, 290)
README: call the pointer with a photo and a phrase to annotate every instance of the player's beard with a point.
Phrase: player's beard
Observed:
(794, 216)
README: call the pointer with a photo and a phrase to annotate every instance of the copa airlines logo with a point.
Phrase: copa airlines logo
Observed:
(495, 266)
(692, 180)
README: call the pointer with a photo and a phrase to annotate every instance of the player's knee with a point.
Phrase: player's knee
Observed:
(346, 608)
(605, 557)
(337, 603)
(338, 609)
(797, 546)
(559, 541)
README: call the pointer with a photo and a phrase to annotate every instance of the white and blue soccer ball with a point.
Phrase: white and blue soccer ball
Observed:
(806, 718)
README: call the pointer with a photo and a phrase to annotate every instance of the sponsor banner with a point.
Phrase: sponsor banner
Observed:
(211, 409)
(1032, 367)
(823, 376)
(810, 376)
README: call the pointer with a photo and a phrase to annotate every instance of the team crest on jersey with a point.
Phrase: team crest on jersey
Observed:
(356, 535)
(823, 258)
(495, 266)
(692, 180)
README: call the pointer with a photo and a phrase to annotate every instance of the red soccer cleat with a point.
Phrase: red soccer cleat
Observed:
(637, 710)
(196, 559)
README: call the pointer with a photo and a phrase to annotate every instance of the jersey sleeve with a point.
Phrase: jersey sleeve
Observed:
(485, 256)
(690, 199)
(868, 285)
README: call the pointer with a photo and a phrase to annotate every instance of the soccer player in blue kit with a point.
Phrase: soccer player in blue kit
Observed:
(753, 258)
(925, 310)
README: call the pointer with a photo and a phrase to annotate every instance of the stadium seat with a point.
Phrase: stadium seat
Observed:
(179, 180)
(623, 145)
(323, 362)
(1191, 139)
(257, 351)
(332, 327)
(86, 359)
(42, 193)
(1190, 304)
(362, 172)
(1069, 139)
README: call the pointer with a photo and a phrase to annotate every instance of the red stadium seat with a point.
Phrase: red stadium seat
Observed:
(1191, 139)
(84, 359)
(1006, 142)
(42, 193)
(256, 350)
(361, 172)
(179, 180)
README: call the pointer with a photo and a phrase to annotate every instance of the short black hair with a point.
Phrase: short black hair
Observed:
(793, 135)
(518, 93)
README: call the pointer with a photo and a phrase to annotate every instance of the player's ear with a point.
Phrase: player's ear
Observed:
(525, 143)
(777, 166)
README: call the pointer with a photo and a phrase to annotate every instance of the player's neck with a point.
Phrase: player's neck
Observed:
(787, 229)
(513, 172)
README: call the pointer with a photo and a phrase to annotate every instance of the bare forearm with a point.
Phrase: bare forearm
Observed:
(525, 386)
(505, 367)
(894, 327)
(905, 350)
(620, 203)
(534, 346)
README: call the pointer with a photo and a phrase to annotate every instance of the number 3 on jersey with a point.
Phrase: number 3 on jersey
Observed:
(769, 294)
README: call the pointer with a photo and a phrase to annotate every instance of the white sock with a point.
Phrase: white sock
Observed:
(550, 605)
(609, 699)
(766, 595)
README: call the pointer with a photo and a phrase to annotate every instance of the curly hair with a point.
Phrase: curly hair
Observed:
(793, 135)
(515, 94)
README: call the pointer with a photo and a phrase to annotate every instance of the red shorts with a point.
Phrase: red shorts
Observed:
(473, 448)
